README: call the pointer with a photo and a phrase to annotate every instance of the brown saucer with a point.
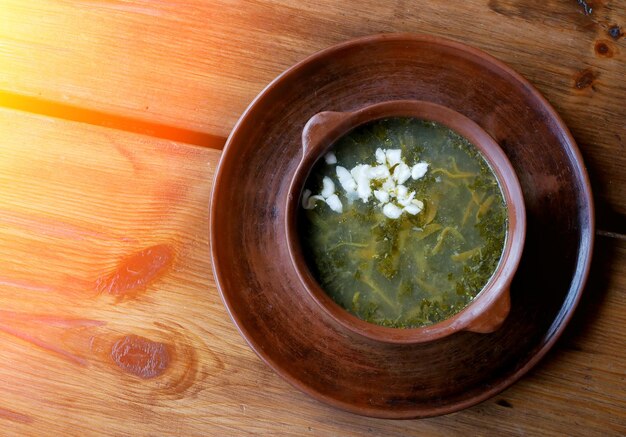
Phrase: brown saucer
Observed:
(285, 326)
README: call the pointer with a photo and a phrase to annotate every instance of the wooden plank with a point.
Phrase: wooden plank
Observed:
(194, 65)
(110, 322)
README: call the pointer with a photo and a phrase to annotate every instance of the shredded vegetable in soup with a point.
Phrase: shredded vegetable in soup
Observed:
(403, 222)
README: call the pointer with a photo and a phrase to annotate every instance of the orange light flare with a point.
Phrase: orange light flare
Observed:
(82, 204)
(93, 61)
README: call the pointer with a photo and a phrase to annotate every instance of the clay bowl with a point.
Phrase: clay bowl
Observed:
(264, 294)
(487, 311)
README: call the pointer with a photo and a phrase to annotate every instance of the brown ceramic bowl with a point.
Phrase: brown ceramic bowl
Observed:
(265, 296)
(490, 307)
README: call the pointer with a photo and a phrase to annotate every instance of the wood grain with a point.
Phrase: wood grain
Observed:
(193, 66)
(81, 204)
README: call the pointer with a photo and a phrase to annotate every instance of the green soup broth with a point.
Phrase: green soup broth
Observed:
(418, 269)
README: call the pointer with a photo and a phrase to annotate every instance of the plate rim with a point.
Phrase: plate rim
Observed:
(585, 248)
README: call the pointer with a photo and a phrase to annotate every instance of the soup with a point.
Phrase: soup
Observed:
(403, 222)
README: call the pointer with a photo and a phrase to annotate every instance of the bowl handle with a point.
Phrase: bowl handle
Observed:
(319, 129)
(493, 316)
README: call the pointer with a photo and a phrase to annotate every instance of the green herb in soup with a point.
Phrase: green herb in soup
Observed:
(403, 222)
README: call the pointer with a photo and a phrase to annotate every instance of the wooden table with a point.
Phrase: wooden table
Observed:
(113, 113)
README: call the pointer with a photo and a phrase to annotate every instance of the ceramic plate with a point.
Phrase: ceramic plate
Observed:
(261, 289)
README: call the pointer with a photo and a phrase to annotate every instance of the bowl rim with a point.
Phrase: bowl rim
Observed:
(488, 309)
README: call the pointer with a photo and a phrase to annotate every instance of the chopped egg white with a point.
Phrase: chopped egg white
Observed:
(381, 157)
(308, 201)
(389, 185)
(392, 211)
(345, 179)
(394, 156)
(364, 191)
(360, 173)
(412, 209)
(419, 170)
(381, 196)
(328, 187)
(402, 173)
(401, 191)
(415, 207)
(379, 172)
(327, 195)
(406, 199)
(392, 195)
(334, 203)
(330, 158)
